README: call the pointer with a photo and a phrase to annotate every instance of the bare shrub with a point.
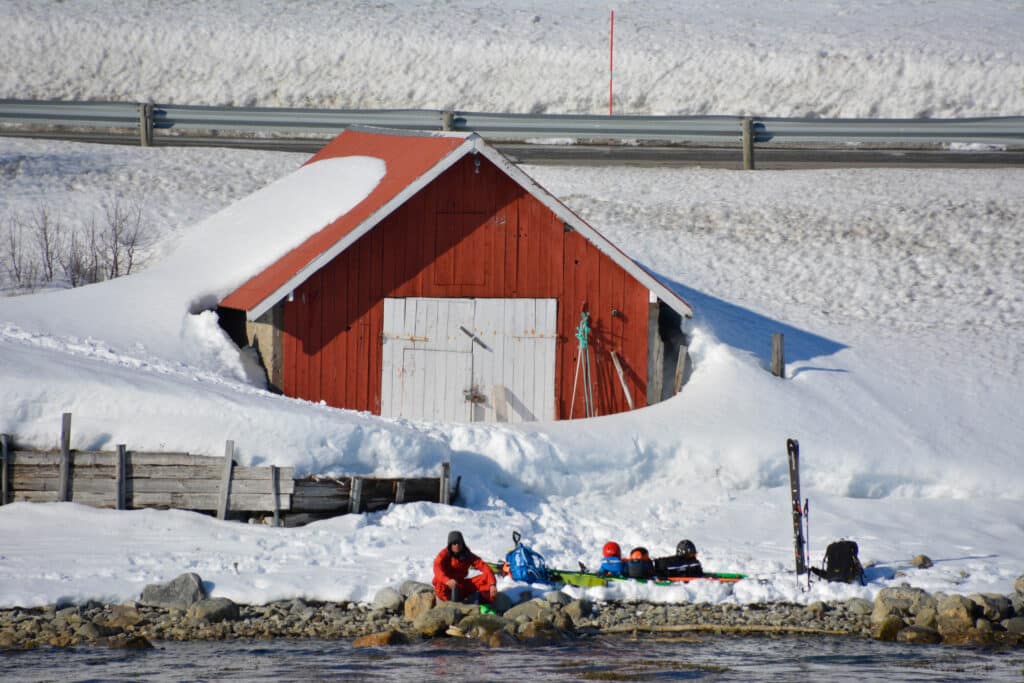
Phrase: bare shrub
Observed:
(22, 271)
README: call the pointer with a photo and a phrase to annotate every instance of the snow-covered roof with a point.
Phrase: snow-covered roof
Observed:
(412, 161)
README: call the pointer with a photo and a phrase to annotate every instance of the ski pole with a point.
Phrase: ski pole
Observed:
(807, 538)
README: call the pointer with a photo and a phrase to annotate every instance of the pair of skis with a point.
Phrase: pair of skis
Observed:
(801, 518)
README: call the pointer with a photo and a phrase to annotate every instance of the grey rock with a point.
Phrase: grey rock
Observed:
(577, 610)
(1018, 585)
(983, 625)
(888, 628)
(435, 622)
(502, 639)
(927, 617)
(410, 588)
(903, 602)
(502, 603)
(919, 634)
(482, 626)
(992, 606)
(1017, 600)
(922, 562)
(213, 610)
(388, 599)
(532, 610)
(418, 603)
(557, 598)
(859, 606)
(179, 593)
(1014, 624)
(955, 615)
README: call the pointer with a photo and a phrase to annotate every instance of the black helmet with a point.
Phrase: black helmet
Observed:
(685, 548)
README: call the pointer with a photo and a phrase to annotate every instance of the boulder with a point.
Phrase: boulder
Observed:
(531, 610)
(482, 626)
(1017, 600)
(389, 637)
(538, 633)
(436, 621)
(1018, 585)
(992, 606)
(919, 634)
(888, 628)
(502, 603)
(557, 598)
(859, 606)
(926, 618)
(955, 615)
(387, 599)
(578, 609)
(502, 639)
(127, 642)
(1014, 624)
(123, 616)
(901, 601)
(418, 603)
(922, 562)
(984, 625)
(179, 593)
(410, 588)
(213, 610)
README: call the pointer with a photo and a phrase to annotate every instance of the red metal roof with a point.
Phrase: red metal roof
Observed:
(411, 160)
(407, 157)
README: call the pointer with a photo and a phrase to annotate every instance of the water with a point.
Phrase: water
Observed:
(701, 658)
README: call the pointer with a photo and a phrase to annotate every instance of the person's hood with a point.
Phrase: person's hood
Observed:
(456, 537)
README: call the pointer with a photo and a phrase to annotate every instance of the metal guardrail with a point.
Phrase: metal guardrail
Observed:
(171, 119)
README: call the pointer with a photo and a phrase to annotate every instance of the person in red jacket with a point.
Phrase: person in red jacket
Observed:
(452, 565)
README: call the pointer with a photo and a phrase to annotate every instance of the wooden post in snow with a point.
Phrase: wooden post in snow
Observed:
(225, 482)
(5, 449)
(445, 494)
(355, 495)
(778, 356)
(275, 480)
(64, 492)
(122, 477)
(748, 143)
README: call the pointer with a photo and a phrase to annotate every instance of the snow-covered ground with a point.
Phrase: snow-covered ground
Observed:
(943, 58)
(901, 295)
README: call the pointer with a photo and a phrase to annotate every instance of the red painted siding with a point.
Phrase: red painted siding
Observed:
(471, 233)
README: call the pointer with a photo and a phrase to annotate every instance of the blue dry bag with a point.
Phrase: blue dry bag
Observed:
(524, 564)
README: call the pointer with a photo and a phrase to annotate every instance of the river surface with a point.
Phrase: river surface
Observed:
(701, 658)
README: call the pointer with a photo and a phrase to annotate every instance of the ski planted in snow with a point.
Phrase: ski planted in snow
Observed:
(793, 449)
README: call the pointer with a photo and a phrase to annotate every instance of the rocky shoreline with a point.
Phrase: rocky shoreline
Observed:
(180, 610)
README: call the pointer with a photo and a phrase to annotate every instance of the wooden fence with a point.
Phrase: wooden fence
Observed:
(126, 480)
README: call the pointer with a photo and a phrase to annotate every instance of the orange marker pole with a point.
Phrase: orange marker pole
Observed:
(611, 61)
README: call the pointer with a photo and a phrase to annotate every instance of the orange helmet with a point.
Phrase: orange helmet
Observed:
(611, 549)
(639, 554)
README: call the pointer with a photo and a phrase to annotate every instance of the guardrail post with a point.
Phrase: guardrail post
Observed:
(778, 356)
(447, 120)
(146, 125)
(64, 492)
(748, 143)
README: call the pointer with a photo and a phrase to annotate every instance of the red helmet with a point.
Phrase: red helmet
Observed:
(611, 549)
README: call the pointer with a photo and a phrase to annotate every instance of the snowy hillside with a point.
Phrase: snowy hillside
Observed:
(882, 58)
(901, 295)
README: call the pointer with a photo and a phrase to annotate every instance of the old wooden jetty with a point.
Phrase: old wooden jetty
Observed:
(127, 480)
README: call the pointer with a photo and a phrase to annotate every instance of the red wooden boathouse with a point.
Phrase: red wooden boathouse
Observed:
(453, 291)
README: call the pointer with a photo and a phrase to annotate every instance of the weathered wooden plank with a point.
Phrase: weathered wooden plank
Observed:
(622, 379)
(225, 485)
(65, 457)
(91, 458)
(122, 477)
(197, 486)
(240, 502)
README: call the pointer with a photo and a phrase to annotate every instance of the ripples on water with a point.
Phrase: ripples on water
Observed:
(705, 658)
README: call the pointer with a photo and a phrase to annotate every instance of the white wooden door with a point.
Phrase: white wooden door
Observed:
(462, 360)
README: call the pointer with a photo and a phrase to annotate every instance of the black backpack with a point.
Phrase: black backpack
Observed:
(841, 563)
